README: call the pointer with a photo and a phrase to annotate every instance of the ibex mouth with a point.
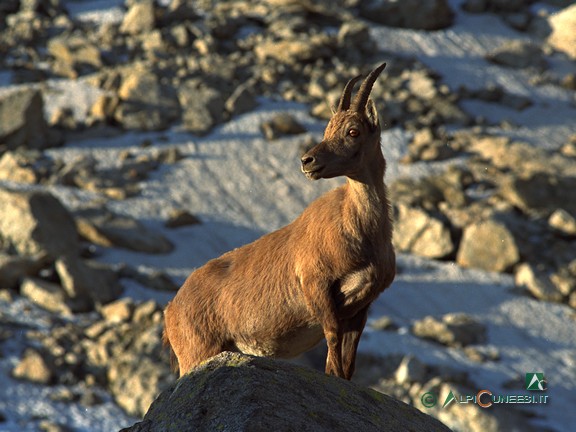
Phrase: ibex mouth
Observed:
(313, 174)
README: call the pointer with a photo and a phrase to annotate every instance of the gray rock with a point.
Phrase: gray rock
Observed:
(410, 370)
(414, 14)
(563, 36)
(22, 122)
(518, 54)
(108, 229)
(33, 367)
(35, 222)
(47, 295)
(87, 283)
(488, 245)
(145, 103)
(537, 283)
(242, 99)
(28, 166)
(456, 330)
(563, 222)
(14, 267)
(541, 192)
(140, 18)
(202, 106)
(420, 233)
(179, 218)
(297, 50)
(118, 311)
(75, 55)
(250, 393)
(280, 125)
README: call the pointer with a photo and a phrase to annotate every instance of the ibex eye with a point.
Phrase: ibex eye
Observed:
(353, 132)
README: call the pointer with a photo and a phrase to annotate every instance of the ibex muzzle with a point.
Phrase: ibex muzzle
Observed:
(316, 277)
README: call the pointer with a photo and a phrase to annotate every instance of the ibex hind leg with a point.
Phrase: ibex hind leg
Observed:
(189, 347)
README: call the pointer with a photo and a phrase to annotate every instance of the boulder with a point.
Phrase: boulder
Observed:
(414, 14)
(87, 283)
(75, 55)
(15, 267)
(105, 228)
(145, 103)
(45, 294)
(537, 283)
(22, 122)
(563, 36)
(488, 245)
(455, 330)
(234, 391)
(518, 54)
(541, 192)
(35, 222)
(281, 124)
(140, 18)
(202, 106)
(420, 233)
(33, 367)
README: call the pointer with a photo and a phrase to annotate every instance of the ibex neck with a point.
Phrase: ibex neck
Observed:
(367, 207)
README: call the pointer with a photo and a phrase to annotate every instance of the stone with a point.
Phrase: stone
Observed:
(563, 222)
(22, 122)
(250, 393)
(413, 14)
(563, 35)
(145, 103)
(488, 245)
(537, 283)
(33, 367)
(14, 267)
(179, 218)
(295, 51)
(420, 233)
(87, 283)
(242, 99)
(153, 279)
(541, 192)
(140, 18)
(455, 330)
(47, 295)
(280, 125)
(518, 54)
(26, 166)
(383, 323)
(118, 311)
(202, 106)
(76, 54)
(35, 222)
(410, 370)
(105, 228)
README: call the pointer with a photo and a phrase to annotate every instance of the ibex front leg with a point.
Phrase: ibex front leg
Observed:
(352, 330)
(321, 303)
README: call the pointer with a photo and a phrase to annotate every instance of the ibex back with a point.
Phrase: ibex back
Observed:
(316, 277)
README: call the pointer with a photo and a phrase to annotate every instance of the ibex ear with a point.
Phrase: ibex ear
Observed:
(372, 114)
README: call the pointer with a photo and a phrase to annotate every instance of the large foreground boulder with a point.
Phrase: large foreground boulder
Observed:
(236, 392)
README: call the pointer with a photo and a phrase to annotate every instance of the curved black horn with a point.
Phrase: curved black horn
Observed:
(344, 103)
(364, 92)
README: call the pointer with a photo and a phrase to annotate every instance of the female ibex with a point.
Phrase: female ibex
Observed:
(314, 278)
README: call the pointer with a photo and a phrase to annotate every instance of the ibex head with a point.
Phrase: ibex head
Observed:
(351, 136)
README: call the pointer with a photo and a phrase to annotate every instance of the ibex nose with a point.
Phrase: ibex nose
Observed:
(307, 159)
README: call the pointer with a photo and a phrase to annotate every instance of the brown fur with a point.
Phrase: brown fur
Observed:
(314, 278)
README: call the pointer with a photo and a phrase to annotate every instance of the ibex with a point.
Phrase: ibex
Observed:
(314, 278)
